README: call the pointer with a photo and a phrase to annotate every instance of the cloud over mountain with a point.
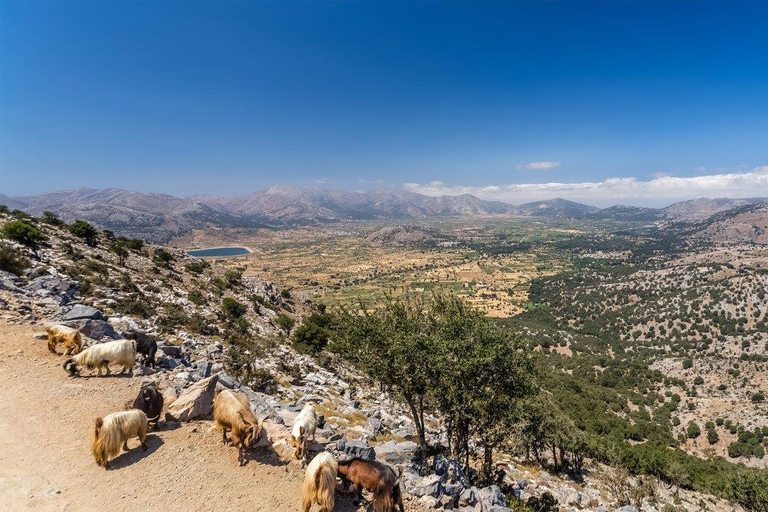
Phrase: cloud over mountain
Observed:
(659, 190)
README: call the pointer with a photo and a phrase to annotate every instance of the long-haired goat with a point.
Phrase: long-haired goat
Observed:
(115, 430)
(71, 338)
(145, 345)
(375, 477)
(101, 355)
(232, 411)
(303, 426)
(320, 483)
(150, 400)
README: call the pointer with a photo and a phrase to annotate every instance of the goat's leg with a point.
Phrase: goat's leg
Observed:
(125, 445)
(224, 436)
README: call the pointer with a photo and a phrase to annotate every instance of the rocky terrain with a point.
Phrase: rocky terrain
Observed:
(188, 306)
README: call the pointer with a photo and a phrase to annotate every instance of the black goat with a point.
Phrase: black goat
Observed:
(145, 345)
(150, 400)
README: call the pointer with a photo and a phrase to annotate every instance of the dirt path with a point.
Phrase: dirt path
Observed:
(45, 461)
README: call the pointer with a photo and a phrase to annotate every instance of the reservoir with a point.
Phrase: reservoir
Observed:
(218, 252)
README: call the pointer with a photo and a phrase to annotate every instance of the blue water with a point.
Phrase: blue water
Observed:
(221, 251)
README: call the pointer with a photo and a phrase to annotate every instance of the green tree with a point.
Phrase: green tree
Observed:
(693, 430)
(52, 219)
(232, 308)
(118, 247)
(163, 257)
(25, 233)
(84, 230)
(285, 322)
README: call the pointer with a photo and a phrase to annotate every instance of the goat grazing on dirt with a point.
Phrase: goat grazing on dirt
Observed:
(145, 345)
(71, 338)
(375, 477)
(101, 355)
(320, 483)
(232, 411)
(115, 430)
(150, 400)
(304, 426)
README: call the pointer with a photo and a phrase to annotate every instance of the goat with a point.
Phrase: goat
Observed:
(150, 400)
(145, 345)
(232, 411)
(304, 426)
(114, 430)
(101, 355)
(375, 477)
(320, 483)
(71, 338)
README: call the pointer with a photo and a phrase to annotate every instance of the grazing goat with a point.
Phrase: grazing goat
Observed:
(71, 338)
(101, 355)
(115, 430)
(303, 426)
(150, 400)
(375, 477)
(145, 345)
(320, 483)
(232, 411)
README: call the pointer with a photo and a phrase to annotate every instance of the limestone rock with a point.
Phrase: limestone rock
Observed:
(195, 402)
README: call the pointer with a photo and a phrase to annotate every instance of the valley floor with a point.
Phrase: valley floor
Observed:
(46, 463)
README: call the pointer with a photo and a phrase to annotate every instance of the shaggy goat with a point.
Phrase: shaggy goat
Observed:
(101, 355)
(115, 430)
(375, 477)
(145, 345)
(232, 411)
(320, 483)
(71, 338)
(303, 426)
(150, 400)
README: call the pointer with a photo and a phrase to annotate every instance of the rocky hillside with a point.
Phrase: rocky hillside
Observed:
(216, 328)
(745, 224)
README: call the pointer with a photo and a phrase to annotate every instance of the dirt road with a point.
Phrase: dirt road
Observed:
(45, 461)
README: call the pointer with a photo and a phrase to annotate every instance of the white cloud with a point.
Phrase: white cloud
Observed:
(662, 189)
(320, 181)
(543, 165)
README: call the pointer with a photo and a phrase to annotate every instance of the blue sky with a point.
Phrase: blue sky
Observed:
(494, 99)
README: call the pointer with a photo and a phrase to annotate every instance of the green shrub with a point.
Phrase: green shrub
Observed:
(11, 260)
(232, 308)
(84, 230)
(693, 431)
(285, 322)
(24, 232)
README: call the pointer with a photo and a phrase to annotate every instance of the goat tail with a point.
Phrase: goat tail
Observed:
(382, 498)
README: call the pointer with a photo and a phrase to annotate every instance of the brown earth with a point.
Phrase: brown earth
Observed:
(46, 464)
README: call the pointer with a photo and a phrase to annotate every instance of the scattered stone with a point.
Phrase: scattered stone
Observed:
(395, 453)
(356, 449)
(81, 312)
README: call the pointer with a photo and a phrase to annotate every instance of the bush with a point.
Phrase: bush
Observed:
(11, 260)
(232, 308)
(693, 431)
(196, 267)
(285, 322)
(758, 397)
(52, 219)
(163, 257)
(310, 338)
(233, 277)
(25, 233)
(84, 230)
(712, 436)
(687, 363)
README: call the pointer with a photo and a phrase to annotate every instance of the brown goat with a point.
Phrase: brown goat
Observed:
(71, 338)
(375, 477)
(232, 411)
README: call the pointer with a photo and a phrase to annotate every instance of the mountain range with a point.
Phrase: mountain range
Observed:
(159, 217)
